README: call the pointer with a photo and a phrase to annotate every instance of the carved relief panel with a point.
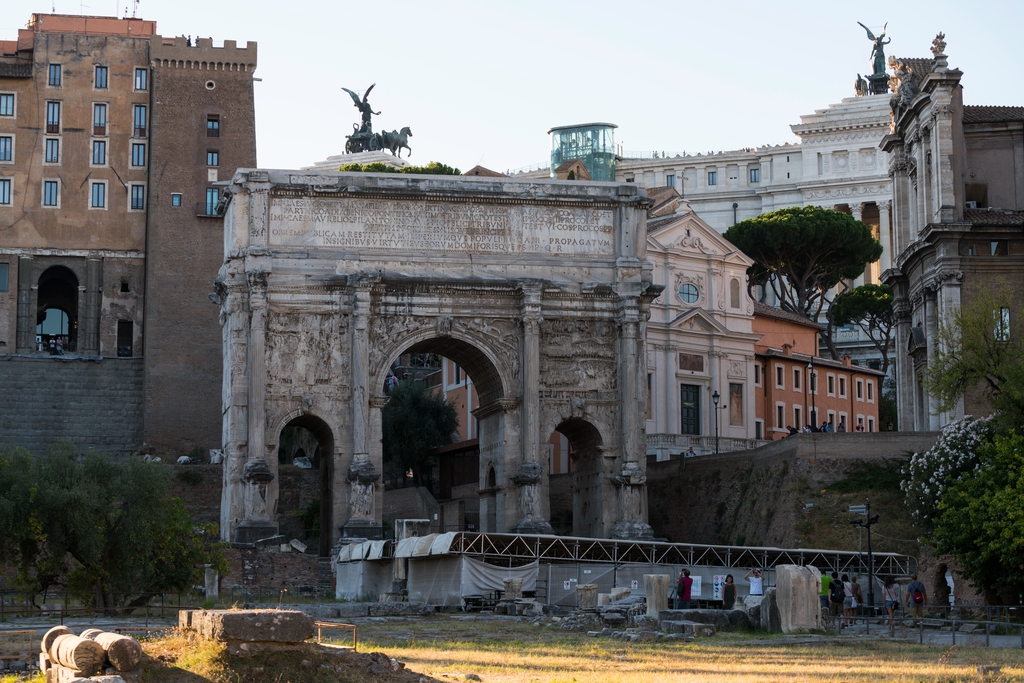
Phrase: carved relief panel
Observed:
(306, 349)
(579, 355)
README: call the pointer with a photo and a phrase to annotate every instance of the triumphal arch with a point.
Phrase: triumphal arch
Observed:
(540, 290)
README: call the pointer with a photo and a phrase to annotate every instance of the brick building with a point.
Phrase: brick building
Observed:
(111, 142)
(794, 386)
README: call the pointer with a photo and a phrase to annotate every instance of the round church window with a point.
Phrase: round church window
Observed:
(689, 293)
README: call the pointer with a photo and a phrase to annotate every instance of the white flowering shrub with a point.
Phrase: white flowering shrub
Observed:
(928, 474)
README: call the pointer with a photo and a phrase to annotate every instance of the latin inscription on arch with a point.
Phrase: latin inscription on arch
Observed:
(441, 227)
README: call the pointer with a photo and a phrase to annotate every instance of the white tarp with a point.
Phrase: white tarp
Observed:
(480, 577)
(444, 579)
(442, 544)
(376, 550)
(423, 544)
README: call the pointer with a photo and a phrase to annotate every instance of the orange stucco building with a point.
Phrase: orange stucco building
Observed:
(795, 387)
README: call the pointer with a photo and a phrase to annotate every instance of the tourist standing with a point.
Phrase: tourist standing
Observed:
(690, 453)
(683, 586)
(728, 592)
(858, 596)
(891, 592)
(756, 581)
(917, 598)
(836, 596)
(823, 596)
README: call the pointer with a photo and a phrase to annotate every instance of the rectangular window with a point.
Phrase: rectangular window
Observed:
(780, 416)
(758, 429)
(830, 384)
(213, 126)
(755, 175)
(6, 148)
(53, 117)
(101, 77)
(670, 180)
(212, 158)
(871, 391)
(141, 79)
(842, 423)
(138, 154)
(4, 274)
(842, 387)
(175, 199)
(7, 104)
(51, 193)
(52, 151)
(139, 119)
(99, 118)
(54, 76)
(138, 197)
(757, 374)
(212, 197)
(860, 390)
(1002, 325)
(712, 177)
(812, 381)
(797, 377)
(798, 418)
(125, 332)
(736, 405)
(5, 191)
(780, 377)
(99, 152)
(99, 196)
(832, 419)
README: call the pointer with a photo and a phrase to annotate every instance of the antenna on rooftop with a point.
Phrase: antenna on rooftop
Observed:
(135, 8)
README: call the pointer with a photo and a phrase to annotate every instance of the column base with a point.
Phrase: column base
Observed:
(252, 530)
(632, 531)
(362, 528)
(533, 527)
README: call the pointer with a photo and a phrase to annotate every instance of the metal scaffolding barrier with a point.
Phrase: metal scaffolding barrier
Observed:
(517, 549)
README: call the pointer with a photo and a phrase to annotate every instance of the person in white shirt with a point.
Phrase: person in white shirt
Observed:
(756, 581)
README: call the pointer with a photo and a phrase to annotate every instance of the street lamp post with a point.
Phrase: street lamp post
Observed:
(871, 519)
(715, 398)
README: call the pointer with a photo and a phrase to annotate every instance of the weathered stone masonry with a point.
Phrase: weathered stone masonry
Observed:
(540, 290)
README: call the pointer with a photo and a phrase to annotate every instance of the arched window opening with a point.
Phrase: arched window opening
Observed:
(57, 311)
(734, 293)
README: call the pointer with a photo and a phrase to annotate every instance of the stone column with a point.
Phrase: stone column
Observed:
(656, 587)
(256, 474)
(586, 596)
(884, 235)
(531, 471)
(362, 475)
(631, 479)
(26, 331)
(89, 331)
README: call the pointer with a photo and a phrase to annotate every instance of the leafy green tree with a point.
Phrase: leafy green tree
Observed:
(981, 348)
(981, 517)
(804, 254)
(870, 308)
(433, 168)
(108, 531)
(415, 421)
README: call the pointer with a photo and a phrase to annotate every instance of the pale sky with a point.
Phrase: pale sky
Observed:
(481, 82)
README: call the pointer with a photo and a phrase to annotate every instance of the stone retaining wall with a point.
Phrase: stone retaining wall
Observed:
(96, 403)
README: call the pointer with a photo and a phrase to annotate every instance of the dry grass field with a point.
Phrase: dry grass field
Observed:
(505, 652)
